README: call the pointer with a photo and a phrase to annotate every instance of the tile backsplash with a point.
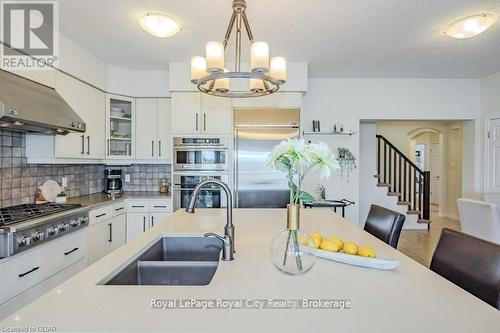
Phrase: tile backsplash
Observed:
(19, 180)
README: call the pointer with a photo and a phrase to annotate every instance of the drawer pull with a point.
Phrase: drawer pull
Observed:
(30, 271)
(69, 252)
(118, 209)
(101, 215)
(137, 206)
(160, 206)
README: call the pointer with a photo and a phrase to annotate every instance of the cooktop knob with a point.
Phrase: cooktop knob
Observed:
(38, 236)
(74, 223)
(24, 241)
(84, 220)
(53, 231)
(64, 227)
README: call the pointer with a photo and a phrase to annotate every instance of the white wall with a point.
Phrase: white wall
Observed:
(77, 61)
(138, 83)
(352, 100)
(490, 106)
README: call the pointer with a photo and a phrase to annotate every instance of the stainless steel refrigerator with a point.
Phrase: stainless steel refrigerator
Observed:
(257, 131)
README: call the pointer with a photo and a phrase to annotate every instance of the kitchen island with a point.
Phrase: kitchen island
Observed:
(410, 298)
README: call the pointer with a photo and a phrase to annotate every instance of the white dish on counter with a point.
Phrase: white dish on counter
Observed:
(377, 263)
(50, 189)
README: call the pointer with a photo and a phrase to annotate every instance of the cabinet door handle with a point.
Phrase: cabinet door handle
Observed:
(159, 206)
(109, 148)
(152, 148)
(159, 147)
(196, 121)
(152, 221)
(88, 145)
(101, 215)
(30, 271)
(110, 225)
(71, 251)
(83, 144)
(204, 122)
(144, 224)
(137, 206)
(118, 209)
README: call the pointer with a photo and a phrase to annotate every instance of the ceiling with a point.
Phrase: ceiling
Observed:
(337, 38)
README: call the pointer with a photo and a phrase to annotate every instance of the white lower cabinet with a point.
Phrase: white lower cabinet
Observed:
(137, 223)
(33, 268)
(106, 231)
(145, 214)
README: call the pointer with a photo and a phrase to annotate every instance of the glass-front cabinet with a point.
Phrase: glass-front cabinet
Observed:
(120, 127)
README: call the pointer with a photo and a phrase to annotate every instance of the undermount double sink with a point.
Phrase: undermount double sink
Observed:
(175, 261)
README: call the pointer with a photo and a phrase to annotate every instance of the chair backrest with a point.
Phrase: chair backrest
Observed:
(469, 262)
(479, 219)
(385, 224)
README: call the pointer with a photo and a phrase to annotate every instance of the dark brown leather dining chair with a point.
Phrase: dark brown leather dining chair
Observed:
(469, 262)
(385, 224)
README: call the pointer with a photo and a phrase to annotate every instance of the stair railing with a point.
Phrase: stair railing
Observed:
(403, 178)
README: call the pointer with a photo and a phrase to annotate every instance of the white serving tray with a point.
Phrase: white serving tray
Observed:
(377, 263)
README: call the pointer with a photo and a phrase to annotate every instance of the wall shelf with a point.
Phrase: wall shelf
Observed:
(349, 133)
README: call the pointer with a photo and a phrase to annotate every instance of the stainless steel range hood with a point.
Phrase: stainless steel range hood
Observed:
(31, 107)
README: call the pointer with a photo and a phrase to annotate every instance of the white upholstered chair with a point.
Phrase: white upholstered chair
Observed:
(480, 219)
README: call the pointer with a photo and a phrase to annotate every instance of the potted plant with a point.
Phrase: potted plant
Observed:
(61, 198)
(297, 159)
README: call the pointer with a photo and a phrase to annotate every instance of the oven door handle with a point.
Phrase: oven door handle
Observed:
(192, 188)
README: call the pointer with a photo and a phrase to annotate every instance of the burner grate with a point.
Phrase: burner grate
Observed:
(20, 213)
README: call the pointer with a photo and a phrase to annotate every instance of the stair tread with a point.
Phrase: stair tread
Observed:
(383, 185)
(394, 194)
(413, 211)
(404, 203)
(424, 221)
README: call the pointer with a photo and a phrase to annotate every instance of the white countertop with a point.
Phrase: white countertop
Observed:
(408, 299)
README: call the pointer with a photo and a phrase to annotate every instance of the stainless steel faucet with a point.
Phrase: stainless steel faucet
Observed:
(228, 239)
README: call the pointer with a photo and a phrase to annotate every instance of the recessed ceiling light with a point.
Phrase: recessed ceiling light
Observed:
(471, 26)
(160, 24)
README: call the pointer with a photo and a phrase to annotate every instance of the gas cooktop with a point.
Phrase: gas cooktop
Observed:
(20, 213)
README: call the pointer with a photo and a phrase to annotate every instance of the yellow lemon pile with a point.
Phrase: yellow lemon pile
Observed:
(336, 244)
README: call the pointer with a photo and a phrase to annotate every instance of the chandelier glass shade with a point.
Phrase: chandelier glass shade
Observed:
(211, 76)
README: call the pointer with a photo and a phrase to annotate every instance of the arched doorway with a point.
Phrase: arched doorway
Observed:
(426, 147)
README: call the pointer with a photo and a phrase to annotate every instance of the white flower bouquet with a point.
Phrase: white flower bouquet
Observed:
(297, 158)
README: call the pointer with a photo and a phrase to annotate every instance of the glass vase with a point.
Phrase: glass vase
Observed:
(292, 250)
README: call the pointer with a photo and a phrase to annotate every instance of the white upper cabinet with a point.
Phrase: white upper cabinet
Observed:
(216, 115)
(186, 109)
(120, 127)
(88, 103)
(164, 128)
(196, 113)
(94, 106)
(145, 129)
(153, 134)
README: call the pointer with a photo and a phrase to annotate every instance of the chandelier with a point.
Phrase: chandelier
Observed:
(211, 77)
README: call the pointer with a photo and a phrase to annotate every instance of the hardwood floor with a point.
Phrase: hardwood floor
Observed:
(420, 244)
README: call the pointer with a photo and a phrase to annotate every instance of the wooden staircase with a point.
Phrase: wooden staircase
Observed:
(404, 180)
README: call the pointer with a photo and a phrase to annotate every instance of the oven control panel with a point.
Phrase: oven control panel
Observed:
(26, 239)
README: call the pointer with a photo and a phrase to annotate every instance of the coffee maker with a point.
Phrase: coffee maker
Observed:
(113, 181)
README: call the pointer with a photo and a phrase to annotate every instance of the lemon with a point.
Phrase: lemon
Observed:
(351, 248)
(329, 245)
(317, 238)
(337, 240)
(306, 241)
(367, 251)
